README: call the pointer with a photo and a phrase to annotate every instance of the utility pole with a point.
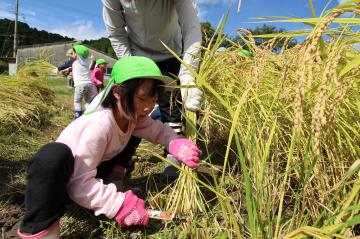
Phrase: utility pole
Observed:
(16, 28)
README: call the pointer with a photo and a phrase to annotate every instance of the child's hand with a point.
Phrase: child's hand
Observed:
(185, 151)
(132, 211)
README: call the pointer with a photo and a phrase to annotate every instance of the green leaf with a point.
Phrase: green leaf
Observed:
(222, 236)
(313, 13)
(316, 20)
(351, 65)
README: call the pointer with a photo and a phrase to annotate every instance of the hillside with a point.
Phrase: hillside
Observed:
(103, 44)
(27, 36)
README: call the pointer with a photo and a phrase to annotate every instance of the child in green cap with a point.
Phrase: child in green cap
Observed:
(84, 88)
(97, 74)
(71, 168)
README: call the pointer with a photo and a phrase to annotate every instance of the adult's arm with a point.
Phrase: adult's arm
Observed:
(115, 26)
(66, 65)
(191, 32)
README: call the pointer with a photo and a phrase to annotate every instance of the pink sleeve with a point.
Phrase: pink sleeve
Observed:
(83, 187)
(96, 77)
(154, 131)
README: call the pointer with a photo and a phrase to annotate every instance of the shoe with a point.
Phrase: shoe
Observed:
(52, 232)
(118, 176)
(170, 173)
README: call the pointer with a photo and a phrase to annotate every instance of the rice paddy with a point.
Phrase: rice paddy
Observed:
(280, 135)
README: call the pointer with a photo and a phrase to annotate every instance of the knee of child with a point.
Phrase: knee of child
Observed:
(53, 157)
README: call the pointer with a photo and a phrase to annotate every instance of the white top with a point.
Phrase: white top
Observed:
(137, 27)
(81, 71)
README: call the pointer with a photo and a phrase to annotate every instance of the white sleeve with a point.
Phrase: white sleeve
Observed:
(83, 188)
(115, 26)
(191, 33)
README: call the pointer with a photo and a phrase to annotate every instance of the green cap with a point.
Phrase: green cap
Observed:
(244, 53)
(81, 50)
(100, 61)
(127, 68)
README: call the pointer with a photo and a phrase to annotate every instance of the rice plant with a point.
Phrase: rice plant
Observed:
(286, 126)
(24, 100)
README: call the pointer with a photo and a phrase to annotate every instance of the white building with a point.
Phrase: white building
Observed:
(55, 53)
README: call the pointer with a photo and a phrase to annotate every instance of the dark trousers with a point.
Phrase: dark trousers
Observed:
(170, 103)
(49, 171)
(170, 108)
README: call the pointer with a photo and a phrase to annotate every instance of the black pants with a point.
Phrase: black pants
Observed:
(45, 197)
(170, 108)
(170, 103)
(49, 171)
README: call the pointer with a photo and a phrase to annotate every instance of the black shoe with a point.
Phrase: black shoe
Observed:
(170, 174)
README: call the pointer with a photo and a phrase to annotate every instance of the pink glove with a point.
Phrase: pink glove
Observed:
(185, 151)
(132, 211)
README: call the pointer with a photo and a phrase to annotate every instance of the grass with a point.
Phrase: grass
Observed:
(32, 114)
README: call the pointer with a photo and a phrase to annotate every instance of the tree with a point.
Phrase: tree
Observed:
(3, 66)
(208, 32)
(266, 29)
(103, 44)
(27, 36)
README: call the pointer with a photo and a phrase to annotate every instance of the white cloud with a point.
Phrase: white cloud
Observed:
(209, 2)
(202, 6)
(201, 12)
(342, 1)
(28, 12)
(6, 14)
(7, 11)
(81, 30)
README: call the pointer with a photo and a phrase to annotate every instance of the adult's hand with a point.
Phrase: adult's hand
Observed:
(192, 98)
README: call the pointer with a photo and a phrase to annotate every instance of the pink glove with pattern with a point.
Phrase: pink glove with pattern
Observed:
(185, 151)
(132, 211)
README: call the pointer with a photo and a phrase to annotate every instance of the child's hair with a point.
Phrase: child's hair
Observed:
(127, 92)
(92, 66)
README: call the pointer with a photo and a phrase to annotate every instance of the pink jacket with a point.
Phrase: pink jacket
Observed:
(97, 77)
(95, 138)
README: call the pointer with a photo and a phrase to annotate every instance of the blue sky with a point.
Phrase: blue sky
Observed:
(82, 19)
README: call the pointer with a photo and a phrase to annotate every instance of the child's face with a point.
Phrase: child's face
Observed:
(73, 55)
(102, 66)
(143, 102)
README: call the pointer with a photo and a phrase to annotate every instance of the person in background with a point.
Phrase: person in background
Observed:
(84, 88)
(70, 167)
(98, 73)
(66, 68)
(141, 28)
